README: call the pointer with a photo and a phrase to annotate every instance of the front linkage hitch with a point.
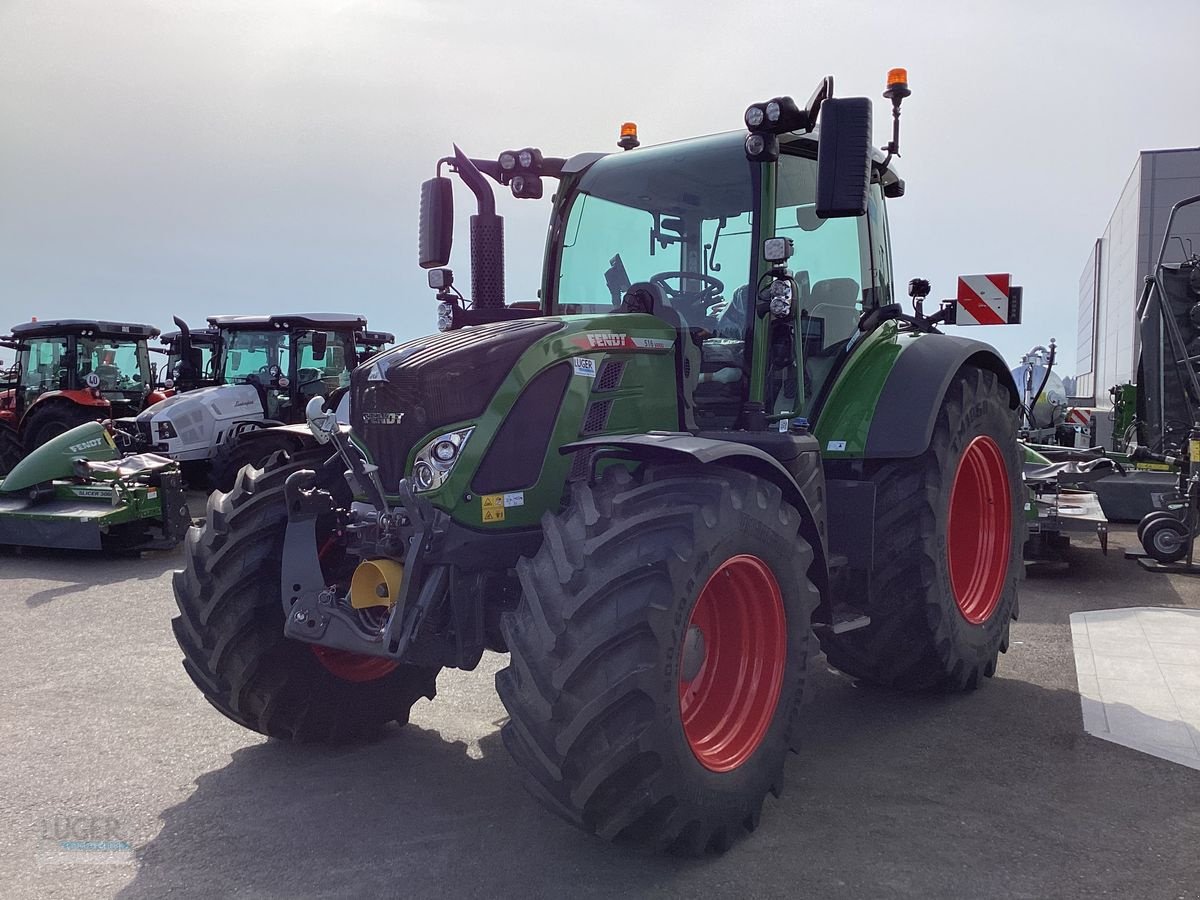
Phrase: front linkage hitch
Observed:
(314, 611)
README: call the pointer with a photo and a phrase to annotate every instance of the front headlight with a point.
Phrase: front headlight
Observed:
(435, 461)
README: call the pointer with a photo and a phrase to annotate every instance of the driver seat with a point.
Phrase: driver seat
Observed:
(647, 297)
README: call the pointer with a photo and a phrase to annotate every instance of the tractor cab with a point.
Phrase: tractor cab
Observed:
(288, 359)
(761, 254)
(202, 369)
(371, 342)
(70, 371)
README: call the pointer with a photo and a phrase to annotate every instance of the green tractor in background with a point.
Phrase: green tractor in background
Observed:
(713, 440)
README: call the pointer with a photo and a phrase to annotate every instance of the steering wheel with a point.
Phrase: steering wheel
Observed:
(712, 287)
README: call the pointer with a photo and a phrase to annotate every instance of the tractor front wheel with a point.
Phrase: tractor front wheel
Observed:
(660, 654)
(947, 555)
(230, 623)
(250, 449)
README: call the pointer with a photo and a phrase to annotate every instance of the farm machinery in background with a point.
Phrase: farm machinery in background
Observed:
(1138, 457)
(191, 361)
(78, 491)
(67, 372)
(714, 439)
(263, 372)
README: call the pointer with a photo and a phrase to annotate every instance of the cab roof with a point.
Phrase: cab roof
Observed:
(373, 338)
(199, 336)
(53, 327)
(291, 320)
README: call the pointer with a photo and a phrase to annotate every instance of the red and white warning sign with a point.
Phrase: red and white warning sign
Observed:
(987, 300)
(1077, 416)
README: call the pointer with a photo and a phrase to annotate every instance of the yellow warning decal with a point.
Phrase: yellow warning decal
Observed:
(493, 507)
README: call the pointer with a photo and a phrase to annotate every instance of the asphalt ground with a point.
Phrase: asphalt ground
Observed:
(996, 794)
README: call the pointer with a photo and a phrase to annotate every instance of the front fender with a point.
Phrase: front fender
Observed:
(802, 480)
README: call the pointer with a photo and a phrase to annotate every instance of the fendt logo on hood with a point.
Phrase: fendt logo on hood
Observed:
(86, 445)
(382, 418)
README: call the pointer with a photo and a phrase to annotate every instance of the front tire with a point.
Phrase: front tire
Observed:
(947, 554)
(230, 626)
(246, 451)
(660, 654)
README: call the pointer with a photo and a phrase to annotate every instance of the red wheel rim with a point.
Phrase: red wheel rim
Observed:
(979, 542)
(739, 627)
(354, 667)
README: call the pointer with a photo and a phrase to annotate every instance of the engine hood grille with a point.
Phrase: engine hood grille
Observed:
(416, 387)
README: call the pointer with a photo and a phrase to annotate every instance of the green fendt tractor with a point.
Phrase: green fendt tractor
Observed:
(714, 440)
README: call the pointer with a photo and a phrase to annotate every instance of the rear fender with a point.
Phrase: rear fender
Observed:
(908, 390)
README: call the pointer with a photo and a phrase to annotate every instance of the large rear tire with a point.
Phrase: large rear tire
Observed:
(660, 655)
(230, 626)
(11, 451)
(947, 555)
(50, 419)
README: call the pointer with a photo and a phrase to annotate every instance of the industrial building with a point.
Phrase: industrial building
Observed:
(1120, 261)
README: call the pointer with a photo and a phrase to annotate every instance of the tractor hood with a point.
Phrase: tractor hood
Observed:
(416, 387)
(189, 426)
(56, 458)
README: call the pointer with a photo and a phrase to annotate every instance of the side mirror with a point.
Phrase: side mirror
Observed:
(844, 158)
(321, 423)
(320, 343)
(436, 229)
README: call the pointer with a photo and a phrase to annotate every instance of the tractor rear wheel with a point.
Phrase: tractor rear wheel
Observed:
(947, 555)
(11, 450)
(47, 421)
(660, 655)
(230, 624)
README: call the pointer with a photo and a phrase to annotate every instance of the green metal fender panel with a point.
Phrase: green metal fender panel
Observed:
(56, 458)
(886, 397)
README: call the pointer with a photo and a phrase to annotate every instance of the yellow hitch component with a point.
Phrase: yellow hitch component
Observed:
(376, 582)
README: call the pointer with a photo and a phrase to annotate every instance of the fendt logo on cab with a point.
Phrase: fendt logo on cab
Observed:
(382, 418)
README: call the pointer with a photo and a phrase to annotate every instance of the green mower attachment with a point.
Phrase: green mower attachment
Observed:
(77, 492)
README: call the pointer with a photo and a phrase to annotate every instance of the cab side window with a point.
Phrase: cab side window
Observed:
(832, 264)
(43, 367)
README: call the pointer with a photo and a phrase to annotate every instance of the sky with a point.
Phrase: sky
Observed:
(163, 157)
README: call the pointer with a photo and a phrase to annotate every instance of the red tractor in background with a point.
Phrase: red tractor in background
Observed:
(67, 372)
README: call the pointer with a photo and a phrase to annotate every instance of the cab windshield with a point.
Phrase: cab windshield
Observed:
(678, 215)
(121, 365)
(259, 355)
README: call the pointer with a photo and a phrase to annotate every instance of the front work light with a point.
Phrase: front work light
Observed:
(755, 116)
(762, 147)
(778, 249)
(779, 296)
(445, 316)
(526, 187)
